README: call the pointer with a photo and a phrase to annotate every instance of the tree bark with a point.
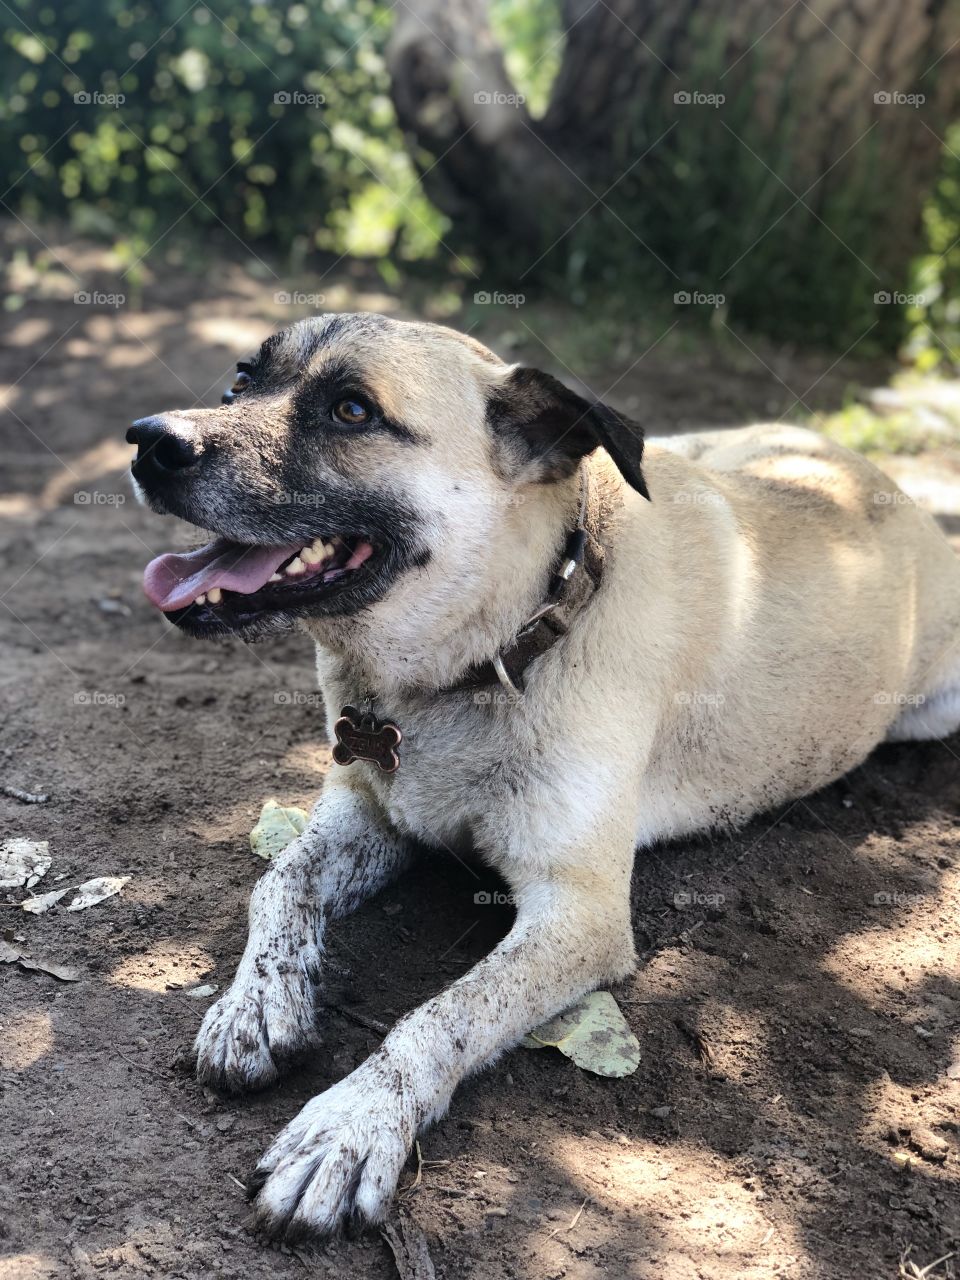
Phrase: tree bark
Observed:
(799, 81)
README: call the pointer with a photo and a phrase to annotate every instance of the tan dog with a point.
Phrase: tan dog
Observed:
(735, 624)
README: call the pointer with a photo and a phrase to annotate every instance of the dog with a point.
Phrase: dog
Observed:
(536, 640)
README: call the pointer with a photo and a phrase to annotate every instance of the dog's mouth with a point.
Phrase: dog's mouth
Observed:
(227, 586)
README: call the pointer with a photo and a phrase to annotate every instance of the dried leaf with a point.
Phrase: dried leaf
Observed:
(8, 954)
(276, 827)
(93, 891)
(594, 1034)
(201, 993)
(62, 971)
(43, 901)
(23, 862)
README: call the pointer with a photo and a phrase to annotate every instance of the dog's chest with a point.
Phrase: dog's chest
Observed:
(461, 763)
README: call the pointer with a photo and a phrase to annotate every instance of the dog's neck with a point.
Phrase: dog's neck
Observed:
(432, 627)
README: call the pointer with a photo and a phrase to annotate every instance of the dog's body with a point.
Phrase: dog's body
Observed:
(774, 612)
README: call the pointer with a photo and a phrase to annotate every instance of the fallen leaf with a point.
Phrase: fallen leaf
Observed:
(8, 954)
(200, 993)
(594, 1034)
(62, 971)
(23, 862)
(93, 891)
(43, 902)
(276, 827)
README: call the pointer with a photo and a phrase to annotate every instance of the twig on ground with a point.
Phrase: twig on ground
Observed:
(566, 1230)
(360, 1019)
(25, 797)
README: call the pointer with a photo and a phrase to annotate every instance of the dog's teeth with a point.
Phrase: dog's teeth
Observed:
(309, 556)
(214, 595)
(318, 546)
(328, 549)
(200, 600)
(275, 577)
(295, 566)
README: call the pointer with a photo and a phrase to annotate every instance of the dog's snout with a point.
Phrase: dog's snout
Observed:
(162, 446)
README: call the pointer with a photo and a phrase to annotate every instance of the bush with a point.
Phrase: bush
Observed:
(261, 122)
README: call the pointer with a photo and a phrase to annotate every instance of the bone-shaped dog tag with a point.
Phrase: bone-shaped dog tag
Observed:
(364, 737)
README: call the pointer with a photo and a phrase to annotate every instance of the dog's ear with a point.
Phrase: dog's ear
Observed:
(551, 426)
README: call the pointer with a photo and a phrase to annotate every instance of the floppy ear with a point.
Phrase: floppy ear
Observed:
(546, 423)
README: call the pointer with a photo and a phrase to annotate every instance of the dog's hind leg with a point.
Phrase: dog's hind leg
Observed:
(268, 1016)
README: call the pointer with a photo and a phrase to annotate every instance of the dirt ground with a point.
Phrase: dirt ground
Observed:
(796, 1110)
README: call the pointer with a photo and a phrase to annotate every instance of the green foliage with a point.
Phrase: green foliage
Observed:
(710, 210)
(531, 35)
(262, 122)
(934, 316)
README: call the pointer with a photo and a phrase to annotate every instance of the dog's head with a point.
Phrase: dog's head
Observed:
(351, 452)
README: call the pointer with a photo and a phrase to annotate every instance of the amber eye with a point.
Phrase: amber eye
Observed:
(240, 381)
(352, 412)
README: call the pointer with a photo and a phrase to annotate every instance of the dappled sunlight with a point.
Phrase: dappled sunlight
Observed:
(675, 1201)
(110, 456)
(822, 476)
(890, 1130)
(899, 952)
(164, 965)
(30, 1266)
(24, 1040)
(239, 334)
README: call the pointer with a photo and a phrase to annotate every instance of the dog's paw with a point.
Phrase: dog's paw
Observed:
(265, 1021)
(340, 1159)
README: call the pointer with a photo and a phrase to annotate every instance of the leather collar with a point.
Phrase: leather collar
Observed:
(578, 575)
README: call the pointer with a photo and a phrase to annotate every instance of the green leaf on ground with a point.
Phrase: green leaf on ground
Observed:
(276, 827)
(594, 1034)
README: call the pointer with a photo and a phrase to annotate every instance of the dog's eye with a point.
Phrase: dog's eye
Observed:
(351, 412)
(241, 380)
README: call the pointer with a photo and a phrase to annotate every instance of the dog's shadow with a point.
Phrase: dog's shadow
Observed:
(794, 1011)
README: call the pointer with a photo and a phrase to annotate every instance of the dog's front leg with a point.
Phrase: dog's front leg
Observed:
(268, 1016)
(343, 1153)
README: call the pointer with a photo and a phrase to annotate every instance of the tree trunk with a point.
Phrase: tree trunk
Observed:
(624, 167)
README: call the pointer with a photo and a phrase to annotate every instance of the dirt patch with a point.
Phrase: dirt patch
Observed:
(798, 1006)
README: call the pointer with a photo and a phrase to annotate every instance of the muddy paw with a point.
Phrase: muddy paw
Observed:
(339, 1159)
(262, 1023)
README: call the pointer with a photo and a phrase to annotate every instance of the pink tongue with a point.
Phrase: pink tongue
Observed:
(174, 581)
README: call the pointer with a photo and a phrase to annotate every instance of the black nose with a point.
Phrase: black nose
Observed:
(160, 447)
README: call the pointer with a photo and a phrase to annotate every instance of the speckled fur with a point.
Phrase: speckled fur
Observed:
(770, 616)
